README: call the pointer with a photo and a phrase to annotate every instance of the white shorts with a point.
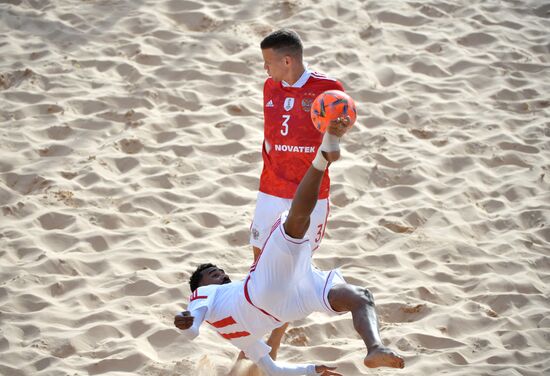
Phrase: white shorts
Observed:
(284, 283)
(269, 208)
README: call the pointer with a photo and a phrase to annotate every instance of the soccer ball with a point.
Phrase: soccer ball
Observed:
(331, 105)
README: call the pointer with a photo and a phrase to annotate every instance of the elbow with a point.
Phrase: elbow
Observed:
(190, 333)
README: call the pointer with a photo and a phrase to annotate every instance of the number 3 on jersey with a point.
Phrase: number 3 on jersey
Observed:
(284, 129)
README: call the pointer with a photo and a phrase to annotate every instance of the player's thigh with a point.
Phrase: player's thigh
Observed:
(318, 223)
(281, 264)
(268, 210)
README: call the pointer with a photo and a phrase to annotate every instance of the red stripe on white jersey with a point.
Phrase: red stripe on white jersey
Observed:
(223, 322)
(247, 296)
(195, 295)
(234, 335)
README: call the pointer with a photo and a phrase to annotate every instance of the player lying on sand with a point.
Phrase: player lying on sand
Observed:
(283, 286)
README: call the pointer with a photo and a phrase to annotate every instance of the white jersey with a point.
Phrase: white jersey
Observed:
(282, 286)
(234, 318)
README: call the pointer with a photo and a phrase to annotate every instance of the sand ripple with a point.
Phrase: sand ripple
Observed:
(130, 137)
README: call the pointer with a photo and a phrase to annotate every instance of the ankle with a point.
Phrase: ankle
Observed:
(374, 347)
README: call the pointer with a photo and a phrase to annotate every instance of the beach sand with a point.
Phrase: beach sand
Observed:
(130, 152)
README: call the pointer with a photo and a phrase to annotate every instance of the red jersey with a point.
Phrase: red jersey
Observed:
(290, 139)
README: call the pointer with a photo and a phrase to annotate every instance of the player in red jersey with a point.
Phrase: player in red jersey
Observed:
(290, 141)
(283, 286)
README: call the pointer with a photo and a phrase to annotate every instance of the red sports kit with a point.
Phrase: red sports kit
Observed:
(290, 139)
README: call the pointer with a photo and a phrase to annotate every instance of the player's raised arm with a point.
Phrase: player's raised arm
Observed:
(307, 193)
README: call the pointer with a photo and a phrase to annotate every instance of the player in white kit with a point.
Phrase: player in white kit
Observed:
(283, 286)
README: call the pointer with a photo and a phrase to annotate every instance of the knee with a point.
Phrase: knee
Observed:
(366, 296)
(350, 298)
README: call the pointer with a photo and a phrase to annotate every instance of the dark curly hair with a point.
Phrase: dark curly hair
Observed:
(285, 41)
(197, 275)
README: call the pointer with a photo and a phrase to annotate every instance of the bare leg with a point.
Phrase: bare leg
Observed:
(257, 252)
(274, 340)
(360, 303)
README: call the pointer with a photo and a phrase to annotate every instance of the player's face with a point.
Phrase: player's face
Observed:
(275, 64)
(214, 276)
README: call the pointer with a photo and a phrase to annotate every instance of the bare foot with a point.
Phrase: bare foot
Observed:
(383, 357)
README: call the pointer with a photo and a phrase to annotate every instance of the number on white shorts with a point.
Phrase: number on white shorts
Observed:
(319, 233)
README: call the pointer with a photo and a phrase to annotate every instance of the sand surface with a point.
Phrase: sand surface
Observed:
(130, 135)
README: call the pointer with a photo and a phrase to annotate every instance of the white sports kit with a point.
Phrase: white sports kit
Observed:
(282, 286)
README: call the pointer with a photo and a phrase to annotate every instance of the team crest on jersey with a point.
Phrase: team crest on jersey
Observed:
(289, 103)
(306, 104)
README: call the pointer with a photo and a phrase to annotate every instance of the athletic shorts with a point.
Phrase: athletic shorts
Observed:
(284, 284)
(269, 208)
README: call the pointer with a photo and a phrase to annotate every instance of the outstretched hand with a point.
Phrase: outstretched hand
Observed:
(326, 371)
(184, 320)
(340, 126)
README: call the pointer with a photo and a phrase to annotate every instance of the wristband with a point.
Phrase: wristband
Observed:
(330, 142)
(320, 163)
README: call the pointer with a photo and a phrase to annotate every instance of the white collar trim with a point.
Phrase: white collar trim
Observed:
(301, 81)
